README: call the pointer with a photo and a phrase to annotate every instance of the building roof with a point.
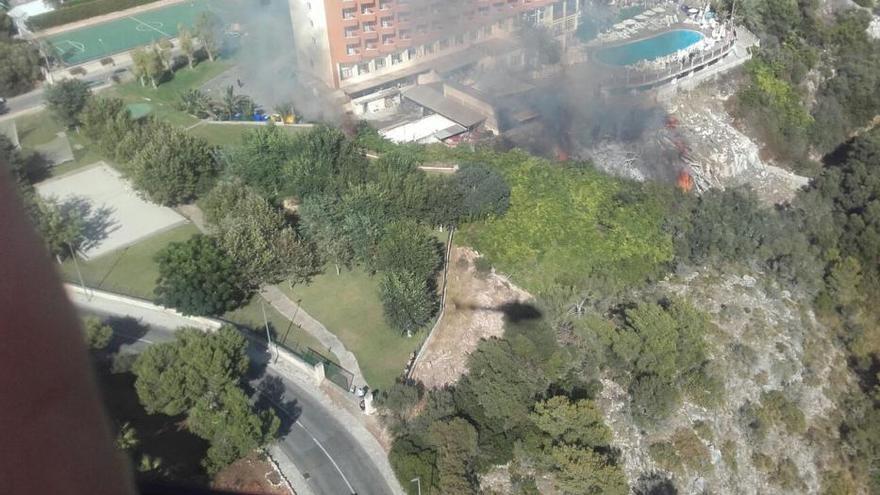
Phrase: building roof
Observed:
(30, 9)
(432, 128)
(435, 101)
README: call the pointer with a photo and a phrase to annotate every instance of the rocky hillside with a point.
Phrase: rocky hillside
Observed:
(781, 375)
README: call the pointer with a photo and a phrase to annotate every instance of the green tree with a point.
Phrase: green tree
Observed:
(325, 162)
(187, 44)
(97, 333)
(148, 65)
(7, 27)
(173, 166)
(483, 191)
(67, 99)
(412, 457)
(227, 420)
(198, 278)
(107, 122)
(579, 423)
(208, 29)
(456, 444)
(256, 235)
(260, 159)
(21, 67)
(172, 377)
(407, 247)
(584, 472)
(195, 102)
(320, 219)
(407, 301)
(62, 227)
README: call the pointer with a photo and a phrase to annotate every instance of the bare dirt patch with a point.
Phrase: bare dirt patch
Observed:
(253, 474)
(471, 313)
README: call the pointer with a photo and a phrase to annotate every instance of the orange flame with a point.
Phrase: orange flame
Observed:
(685, 182)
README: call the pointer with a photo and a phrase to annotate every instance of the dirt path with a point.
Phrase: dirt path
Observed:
(470, 315)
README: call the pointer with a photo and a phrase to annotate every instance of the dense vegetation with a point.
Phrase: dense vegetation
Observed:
(558, 215)
(199, 374)
(814, 79)
(20, 61)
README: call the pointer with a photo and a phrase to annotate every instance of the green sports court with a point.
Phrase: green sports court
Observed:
(123, 34)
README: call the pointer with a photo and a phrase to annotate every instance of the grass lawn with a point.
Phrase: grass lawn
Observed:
(349, 306)
(164, 98)
(130, 271)
(230, 134)
(40, 128)
(283, 330)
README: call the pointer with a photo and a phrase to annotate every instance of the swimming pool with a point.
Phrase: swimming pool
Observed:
(649, 48)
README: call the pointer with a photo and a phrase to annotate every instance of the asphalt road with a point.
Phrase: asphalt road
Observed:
(36, 97)
(328, 456)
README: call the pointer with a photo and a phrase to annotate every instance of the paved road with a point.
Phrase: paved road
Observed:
(322, 448)
(36, 98)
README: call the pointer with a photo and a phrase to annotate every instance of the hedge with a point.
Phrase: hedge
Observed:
(83, 9)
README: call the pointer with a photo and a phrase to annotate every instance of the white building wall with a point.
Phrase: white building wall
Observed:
(311, 40)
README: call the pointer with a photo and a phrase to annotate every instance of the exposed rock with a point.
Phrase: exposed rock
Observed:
(874, 28)
(766, 340)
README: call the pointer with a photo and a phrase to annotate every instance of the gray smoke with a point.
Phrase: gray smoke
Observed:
(262, 45)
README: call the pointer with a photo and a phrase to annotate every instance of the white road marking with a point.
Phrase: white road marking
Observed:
(297, 423)
(350, 488)
(154, 28)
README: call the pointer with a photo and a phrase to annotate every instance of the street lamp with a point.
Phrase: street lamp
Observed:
(418, 482)
(268, 334)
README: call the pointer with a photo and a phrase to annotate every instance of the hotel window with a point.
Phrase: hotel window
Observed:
(395, 59)
(345, 71)
(404, 34)
(369, 27)
(380, 63)
(349, 13)
(384, 5)
(351, 49)
(387, 22)
(371, 45)
(366, 9)
(388, 39)
(363, 68)
(351, 32)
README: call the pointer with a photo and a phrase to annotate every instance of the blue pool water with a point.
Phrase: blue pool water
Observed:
(649, 48)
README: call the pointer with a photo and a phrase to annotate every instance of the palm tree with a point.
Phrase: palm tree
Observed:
(231, 103)
(194, 102)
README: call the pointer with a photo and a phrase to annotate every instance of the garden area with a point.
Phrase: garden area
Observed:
(349, 306)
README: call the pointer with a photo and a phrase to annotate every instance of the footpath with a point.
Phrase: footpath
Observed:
(286, 365)
(291, 310)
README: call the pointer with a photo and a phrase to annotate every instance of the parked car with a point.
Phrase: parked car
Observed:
(3, 108)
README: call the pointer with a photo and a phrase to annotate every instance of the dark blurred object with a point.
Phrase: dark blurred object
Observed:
(159, 488)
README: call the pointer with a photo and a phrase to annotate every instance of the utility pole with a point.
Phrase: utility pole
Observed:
(82, 282)
(418, 482)
(268, 334)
